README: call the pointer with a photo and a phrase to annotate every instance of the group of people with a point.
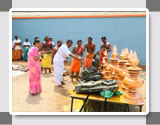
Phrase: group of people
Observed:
(42, 55)
(20, 51)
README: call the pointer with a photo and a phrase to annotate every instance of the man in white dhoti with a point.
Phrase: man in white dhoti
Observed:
(58, 62)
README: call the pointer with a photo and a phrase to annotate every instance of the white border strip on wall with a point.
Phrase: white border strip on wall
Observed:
(44, 14)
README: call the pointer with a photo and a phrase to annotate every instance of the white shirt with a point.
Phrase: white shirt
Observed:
(26, 44)
(17, 41)
(61, 55)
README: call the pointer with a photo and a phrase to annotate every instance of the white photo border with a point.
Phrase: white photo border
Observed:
(79, 9)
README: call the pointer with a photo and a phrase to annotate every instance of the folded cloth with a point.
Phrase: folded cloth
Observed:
(107, 94)
(75, 65)
(110, 93)
(80, 50)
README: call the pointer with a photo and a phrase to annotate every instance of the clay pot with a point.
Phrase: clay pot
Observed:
(131, 83)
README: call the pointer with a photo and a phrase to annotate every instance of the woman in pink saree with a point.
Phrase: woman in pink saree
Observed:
(34, 68)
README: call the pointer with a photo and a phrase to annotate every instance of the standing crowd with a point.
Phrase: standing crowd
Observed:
(42, 55)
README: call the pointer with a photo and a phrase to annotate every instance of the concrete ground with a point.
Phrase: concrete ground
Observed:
(51, 99)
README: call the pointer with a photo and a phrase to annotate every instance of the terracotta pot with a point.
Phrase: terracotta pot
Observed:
(131, 83)
(120, 70)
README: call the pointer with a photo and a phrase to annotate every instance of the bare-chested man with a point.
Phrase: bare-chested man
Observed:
(47, 56)
(90, 52)
(76, 64)
(105, 46)
(55, 49)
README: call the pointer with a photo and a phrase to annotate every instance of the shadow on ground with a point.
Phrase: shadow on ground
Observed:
(33, 99)
(59, 90)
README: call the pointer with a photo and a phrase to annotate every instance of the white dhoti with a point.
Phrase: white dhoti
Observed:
(58, 73)
(58, 63)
